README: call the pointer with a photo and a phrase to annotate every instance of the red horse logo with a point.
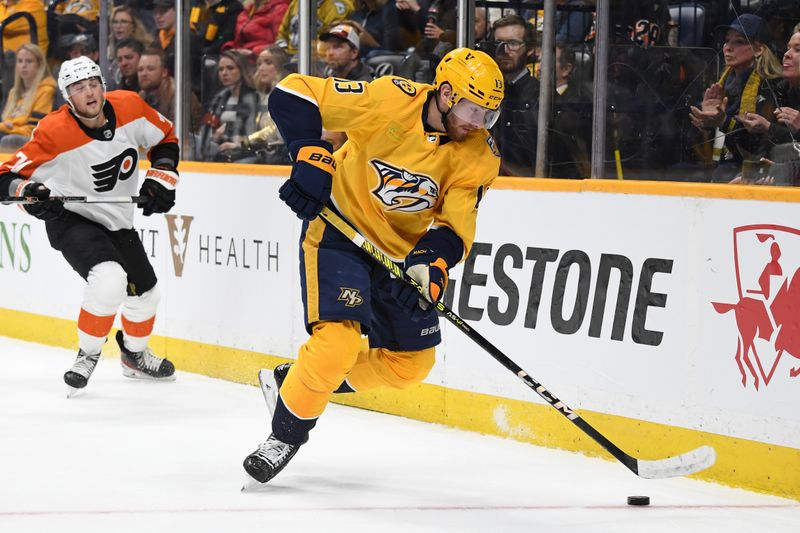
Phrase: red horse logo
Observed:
(766, 256)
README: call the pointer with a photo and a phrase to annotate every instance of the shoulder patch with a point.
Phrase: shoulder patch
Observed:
(492, 145)
(405, 86)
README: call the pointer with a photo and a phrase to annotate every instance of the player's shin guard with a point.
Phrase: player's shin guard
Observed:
(138, 317)
(281, 371)
(104, 293)
(322, 363)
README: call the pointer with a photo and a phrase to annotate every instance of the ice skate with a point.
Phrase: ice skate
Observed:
(270, 382)
(144, 365)
(269, 459)
(78, 376)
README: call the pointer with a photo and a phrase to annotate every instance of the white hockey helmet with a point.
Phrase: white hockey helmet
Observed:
(75, 70)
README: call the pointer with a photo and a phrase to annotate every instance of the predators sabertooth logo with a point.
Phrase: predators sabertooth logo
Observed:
(350, 297)
(401, 190)
(118, 168)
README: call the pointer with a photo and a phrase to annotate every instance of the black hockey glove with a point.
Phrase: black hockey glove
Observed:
(45, 208)
(309, 187)
(158, 188)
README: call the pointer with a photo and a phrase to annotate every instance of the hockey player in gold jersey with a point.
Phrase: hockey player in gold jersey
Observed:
(416, 165)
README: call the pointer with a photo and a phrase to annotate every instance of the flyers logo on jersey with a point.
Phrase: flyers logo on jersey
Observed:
(118, 168)
(401, 190)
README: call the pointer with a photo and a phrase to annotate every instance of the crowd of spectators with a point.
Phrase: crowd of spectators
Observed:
(696, 90)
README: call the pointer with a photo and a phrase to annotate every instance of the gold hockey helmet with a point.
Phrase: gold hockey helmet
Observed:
(473, 75)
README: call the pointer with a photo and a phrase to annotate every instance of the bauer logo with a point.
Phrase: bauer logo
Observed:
(350, 297)
(401, 190)
(178, 229)
(767, 312)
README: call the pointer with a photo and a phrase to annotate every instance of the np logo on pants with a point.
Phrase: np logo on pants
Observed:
(350, 297)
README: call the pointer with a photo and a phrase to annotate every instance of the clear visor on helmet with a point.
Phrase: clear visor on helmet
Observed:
(474, 114)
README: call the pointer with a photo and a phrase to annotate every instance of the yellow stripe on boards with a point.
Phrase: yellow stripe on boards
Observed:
(740, 463)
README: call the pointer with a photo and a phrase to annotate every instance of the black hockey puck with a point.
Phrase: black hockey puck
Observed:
(638, 500)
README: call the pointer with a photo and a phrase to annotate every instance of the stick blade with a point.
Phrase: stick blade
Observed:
(681, 465)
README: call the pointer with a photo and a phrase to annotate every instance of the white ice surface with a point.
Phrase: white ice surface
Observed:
(150, 457)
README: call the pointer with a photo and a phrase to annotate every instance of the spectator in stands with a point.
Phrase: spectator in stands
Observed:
(641, 22)
(257, 26)
(569, 141)
(440, 28)
(75, 17)
(214, 23)
(271, 67)
(18, 32)
(329, 12)
(164, 15)
(157, 87)
(233, 109)
(377, 26)
(743, 90)
(126, 65)
(88, 9)
(81, 44)
(265, 145)
(343, 61)
(784, 129)
(481, 24)
(432, 24)
(573, 26)
(516, 129)
(125, 25)
(342, 54)
(70, 47)
(29, 100)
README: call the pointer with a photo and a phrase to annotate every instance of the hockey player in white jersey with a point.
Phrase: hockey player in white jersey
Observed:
(91, 147)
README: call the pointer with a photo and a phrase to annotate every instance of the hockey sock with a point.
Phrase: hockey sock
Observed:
(290, 428)
(322, 363)
(104, 292)
(138, 317)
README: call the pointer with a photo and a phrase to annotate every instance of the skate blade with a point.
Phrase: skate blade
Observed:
(72, 392)
(250, 484)
(136, 374)
(269, 388)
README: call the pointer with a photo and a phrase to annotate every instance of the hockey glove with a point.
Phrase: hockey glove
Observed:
(45, 208)
(309, 187)
(428, 264)
(158, 188)
(433, 279)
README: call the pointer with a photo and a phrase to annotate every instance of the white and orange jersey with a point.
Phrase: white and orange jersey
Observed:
(69, 162)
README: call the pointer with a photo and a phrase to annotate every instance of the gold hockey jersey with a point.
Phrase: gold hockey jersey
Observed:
(393, 179)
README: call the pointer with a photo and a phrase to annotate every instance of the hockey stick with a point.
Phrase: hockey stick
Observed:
(680, 465)
(75, 199)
